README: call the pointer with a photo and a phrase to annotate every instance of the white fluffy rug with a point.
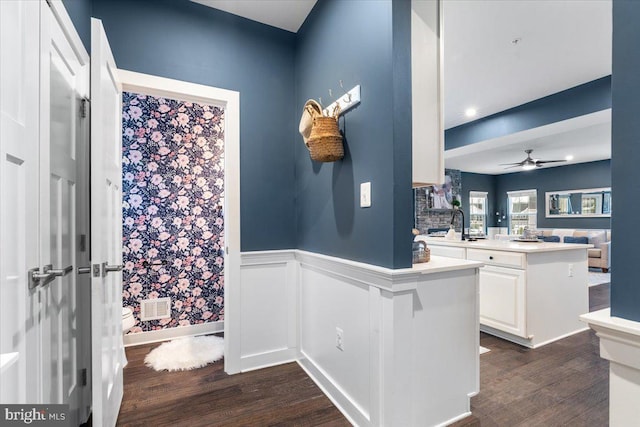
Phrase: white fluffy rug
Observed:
(596, 277)
(484, 350)
(184, 354)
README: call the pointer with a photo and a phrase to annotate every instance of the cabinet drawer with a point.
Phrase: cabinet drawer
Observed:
(447, 251)
(500, 258)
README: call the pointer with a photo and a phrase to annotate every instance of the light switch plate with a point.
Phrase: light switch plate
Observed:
(365, 195)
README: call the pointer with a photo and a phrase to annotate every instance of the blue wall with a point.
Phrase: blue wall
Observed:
(480, 182)
(625, 289)
(183, 40)
(571, 177)
(80, 12)
(337, 43)
(577, 101)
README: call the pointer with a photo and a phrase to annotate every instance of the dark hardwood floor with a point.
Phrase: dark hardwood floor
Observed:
(561, 384)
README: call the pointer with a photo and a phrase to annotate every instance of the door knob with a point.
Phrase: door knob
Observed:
(84, 270)
(109, 268)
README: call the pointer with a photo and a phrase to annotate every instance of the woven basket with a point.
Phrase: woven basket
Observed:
(325, 141)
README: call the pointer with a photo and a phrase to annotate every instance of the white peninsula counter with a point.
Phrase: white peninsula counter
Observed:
(531, 293)
(391, 347)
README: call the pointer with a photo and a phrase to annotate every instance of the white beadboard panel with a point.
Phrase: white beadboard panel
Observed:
(268, 320)
(327, 302)
(172, 333)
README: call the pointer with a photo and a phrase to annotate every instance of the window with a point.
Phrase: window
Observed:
(523, 210)
(477, 213)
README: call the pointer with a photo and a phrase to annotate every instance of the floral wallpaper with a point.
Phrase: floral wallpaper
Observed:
(173, 190)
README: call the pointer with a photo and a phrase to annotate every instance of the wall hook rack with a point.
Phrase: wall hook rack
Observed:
(346, 102)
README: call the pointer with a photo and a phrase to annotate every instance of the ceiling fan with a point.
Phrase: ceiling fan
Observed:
(530, 163)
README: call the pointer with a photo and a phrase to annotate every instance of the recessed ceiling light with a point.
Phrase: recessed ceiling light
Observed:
(569, 157)
(470, 112)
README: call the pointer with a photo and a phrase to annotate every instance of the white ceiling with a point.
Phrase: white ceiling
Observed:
(499, 54)
(586, 138)
(286, 14)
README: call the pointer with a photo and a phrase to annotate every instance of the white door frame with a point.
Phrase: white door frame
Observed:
(230, 101)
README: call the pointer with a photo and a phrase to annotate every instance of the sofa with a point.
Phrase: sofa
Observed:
(599, 255)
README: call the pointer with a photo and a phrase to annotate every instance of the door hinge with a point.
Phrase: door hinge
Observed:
(83, 377)
(84, 107)
(82, 243)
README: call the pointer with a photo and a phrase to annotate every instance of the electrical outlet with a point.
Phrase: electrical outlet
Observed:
(365, 195)
(339, 339)
(570, 272)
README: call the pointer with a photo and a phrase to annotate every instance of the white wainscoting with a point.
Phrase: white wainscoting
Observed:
(172, 333)
(268, 317)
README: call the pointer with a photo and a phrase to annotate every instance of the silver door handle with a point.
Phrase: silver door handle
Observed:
(35, 278)
(62, 272)
(84, 270)
(109, 268)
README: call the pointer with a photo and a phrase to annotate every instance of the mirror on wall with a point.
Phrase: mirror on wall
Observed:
(589, 202)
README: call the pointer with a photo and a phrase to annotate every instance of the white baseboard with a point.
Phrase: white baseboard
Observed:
(336, 395)
(171, 333)
(265, 360)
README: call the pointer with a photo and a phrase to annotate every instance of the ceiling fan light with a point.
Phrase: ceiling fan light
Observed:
(528, 166)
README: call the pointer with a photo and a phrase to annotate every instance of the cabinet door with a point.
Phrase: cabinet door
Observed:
(502, 299)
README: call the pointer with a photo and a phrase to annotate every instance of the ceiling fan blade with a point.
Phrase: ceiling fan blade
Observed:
(514, 166)
(508, 164)
(549, 161)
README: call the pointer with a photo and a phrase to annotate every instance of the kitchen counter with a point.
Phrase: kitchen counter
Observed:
(504, 245)
(531, 293)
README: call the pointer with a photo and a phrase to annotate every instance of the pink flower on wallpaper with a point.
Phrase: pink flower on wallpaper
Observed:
(156, 136)
(128, 221)
(128, 132)
(183, 160)
(207, 235)
(219, 222)
(152, 253)
(164, 193)
(177, 138)
(183, 284)
(182, 119)
(135, 245)
(135, 112)
(197, 291)
(200, 302)
(156, 222)
(164, 278)
(156, 179)
(182, 202)
(163, 151)
(207, 195)
(153, 295)
(152, 166)
(207, 275)
(135, 156)
(197, 170)
(184, 322)
(177, 304)
(219, 300)
(152, 209)
(177, 221)
(164, 108)
(182, 243)
(197, 210)
(135, 288)
(164, 236)
(152, 123)
(206, 315)
(196, 251)
(200, 262)
(197, 129)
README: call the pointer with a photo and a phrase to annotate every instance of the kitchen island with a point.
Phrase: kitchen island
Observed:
(531, 293)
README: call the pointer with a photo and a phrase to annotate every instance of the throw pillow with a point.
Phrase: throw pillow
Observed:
(552, 239)
(597, 239)
(571, 239)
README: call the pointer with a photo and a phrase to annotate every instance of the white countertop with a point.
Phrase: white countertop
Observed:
(439, 264)
(505, 245)
(604, 319)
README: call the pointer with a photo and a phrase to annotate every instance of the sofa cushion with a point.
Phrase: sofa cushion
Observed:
(582, 233)
(563, 232)
(594, 253)
(597, 238)
(571, 239)
(552, 239)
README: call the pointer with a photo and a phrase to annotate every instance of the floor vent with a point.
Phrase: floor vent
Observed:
(153, 309)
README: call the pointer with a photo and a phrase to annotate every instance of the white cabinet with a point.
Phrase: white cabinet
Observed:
(458, 253)
(502, 299)
(426, 88)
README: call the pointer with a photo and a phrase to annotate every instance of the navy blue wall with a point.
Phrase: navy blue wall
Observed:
(571, 177)
(480, 182)
(337, 43)
(80, 13)
(183, 40)
(580, 100)
(625, 289)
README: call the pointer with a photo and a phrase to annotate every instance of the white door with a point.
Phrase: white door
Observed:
(106, 230)
(64, 75)
(19, 116)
